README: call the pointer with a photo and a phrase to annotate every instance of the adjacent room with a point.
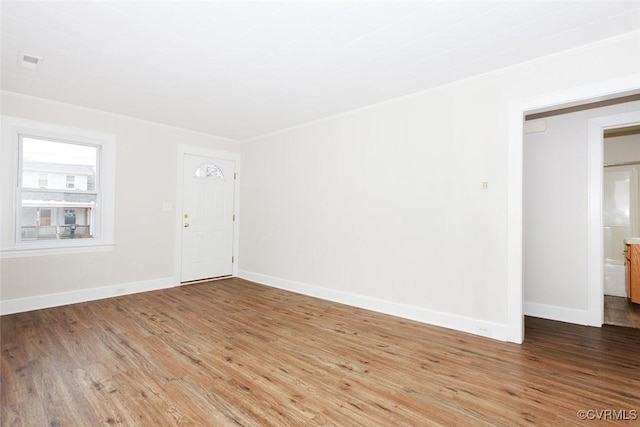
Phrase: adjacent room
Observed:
(319, 213)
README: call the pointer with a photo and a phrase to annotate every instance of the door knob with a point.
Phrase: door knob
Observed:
(186, 224)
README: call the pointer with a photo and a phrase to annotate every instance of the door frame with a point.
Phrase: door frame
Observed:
(517, 111)
(216, 154)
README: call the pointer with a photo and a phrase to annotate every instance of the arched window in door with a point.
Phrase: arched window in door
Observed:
(209, 170)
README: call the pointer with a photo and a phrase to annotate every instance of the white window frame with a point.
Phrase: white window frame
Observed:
(13, 129)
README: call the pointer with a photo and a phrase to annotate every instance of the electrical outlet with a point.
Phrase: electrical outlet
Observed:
(484, 330)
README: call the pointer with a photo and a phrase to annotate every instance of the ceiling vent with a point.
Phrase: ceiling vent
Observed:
(29, 61)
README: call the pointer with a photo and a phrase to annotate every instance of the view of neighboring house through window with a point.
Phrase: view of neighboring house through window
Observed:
(43, 180)
(58, 189)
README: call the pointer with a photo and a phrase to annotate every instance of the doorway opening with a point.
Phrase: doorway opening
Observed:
(592, 303)
(562, 207)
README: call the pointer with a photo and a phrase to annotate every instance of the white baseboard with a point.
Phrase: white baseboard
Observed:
(19, 305)
(446, 320)
(616, 292)
(562, 314)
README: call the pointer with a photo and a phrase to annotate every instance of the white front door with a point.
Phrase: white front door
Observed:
(207, 217)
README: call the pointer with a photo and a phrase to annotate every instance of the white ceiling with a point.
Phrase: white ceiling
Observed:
(241, 69)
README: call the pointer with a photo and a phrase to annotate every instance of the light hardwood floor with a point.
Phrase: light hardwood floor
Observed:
(232, 352)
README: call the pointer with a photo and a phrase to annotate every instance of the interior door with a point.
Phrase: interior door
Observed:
(207, 218)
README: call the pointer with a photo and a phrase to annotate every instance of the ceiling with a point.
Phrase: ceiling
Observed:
(241, 69)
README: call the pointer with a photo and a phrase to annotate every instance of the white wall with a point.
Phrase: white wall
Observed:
(555, 208)
(143, 257)
(384, 207)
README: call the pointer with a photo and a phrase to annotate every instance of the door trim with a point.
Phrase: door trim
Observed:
(517, 111)
(218, 154)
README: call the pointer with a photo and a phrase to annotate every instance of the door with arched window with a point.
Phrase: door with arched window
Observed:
(207, 217)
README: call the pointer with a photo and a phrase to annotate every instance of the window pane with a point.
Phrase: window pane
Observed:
(58, 165)
(209, 171)
(48, 223)
(57, 215)
(70, 169)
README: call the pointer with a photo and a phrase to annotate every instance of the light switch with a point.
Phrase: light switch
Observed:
(485, 185)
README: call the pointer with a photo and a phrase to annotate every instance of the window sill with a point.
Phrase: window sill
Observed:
(25, 251)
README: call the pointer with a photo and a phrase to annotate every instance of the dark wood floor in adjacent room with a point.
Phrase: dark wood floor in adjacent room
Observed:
(234, 353)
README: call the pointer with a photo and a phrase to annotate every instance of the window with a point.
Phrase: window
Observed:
(63, 189)
(43, 180)
(209, 171)
(57, 159)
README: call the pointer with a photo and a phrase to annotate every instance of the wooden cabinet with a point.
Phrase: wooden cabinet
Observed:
(632, 271)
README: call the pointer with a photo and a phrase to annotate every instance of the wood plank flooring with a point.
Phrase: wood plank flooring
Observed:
(621, 311)
(235, 353)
